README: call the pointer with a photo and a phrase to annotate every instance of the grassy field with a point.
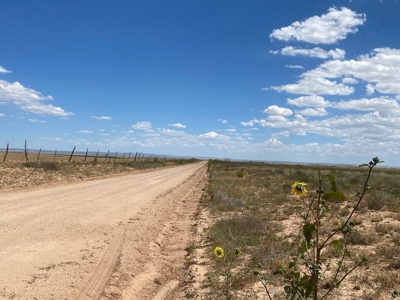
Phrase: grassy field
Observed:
(254, 211)
(16, 172)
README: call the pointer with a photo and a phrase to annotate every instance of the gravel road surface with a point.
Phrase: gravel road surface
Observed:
(117, 238)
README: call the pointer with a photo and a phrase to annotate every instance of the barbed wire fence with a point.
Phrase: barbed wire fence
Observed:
(109, 156)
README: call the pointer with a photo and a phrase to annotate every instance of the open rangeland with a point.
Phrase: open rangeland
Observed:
(251, 213)
(122, 237)
(78, 231)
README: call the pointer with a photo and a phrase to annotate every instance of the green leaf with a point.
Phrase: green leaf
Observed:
(347, 252)
(334, 196)
(338, 244)
(363, 165)
(375, 160)
(331, 179)
(308, 229)
(303, 247)
(309, 288)
(364, 259)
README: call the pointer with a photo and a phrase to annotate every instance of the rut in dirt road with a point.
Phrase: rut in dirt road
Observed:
(65, 242)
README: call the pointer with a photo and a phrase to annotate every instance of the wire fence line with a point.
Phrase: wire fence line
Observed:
(33, 155)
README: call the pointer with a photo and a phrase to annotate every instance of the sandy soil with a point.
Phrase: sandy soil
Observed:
(114, 238)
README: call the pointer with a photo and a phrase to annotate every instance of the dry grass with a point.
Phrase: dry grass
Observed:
(252, 208)
(17, 173)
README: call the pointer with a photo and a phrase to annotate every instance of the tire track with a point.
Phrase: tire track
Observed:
(152, 260)
(101, 274)
(63, 242)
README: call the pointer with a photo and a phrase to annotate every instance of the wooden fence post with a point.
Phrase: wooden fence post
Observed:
(86, 154)
(55, 154)
(129, 156)
(72, 153)
(115, 155)
(26, 153)
(107, 154)
(97, 154)
(135, 156)
(123, 156)
(37, 160)
(5, 155)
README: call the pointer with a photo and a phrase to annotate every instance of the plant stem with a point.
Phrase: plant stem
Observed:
(317, 249)
(266, 288)
(362, 195)
(345, 275)
(351, 214)
(310, 206)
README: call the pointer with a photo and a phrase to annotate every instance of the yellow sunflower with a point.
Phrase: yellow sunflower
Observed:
(219, 252)
(299, 188)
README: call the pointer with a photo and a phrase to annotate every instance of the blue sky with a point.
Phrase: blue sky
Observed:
(303, 81)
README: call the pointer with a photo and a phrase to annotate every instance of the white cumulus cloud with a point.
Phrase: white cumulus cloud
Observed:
(107, 118)
(36, 121)
(85, 131)
(369, 89)
(373, 104)
(326, 29)
(313, 112)
(314, 85)
(294, 67)
(3, 70)
(51, 139)
(380, 69)
(171, 132)
(275, 110)
(273, 142)
(250, 123)
(314, 52)
(214, 135)
(177, 125)
(145, 125)
(309, 101)
(349, 80)
(29, 100)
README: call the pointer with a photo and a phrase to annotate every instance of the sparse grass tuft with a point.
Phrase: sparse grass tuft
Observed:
(253, 208)
(361, 238)
(238, 231)
(45, 165)
(17, 173)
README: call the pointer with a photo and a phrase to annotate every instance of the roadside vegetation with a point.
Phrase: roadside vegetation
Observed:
(301, 232)
(19, 171)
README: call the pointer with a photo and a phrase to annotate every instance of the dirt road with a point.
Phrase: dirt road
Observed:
(117, 238)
